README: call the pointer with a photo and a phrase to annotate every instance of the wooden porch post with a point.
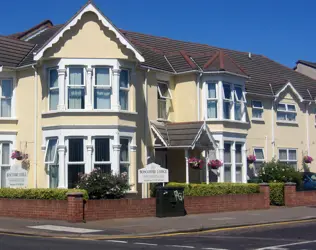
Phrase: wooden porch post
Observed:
(187, 166)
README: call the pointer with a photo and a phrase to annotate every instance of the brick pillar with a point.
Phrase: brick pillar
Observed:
(75, 207)
(290, 194)
(265, 190)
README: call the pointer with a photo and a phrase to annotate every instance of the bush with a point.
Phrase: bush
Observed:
(216, 188)
(101, 185)
(276, 194)
(39, 193)
(276, 171)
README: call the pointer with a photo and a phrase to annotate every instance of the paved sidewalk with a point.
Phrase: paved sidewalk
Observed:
(153, 225)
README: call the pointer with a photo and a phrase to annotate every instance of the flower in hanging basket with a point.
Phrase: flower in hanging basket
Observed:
(195, 163)
(308, 159)
(251, 158)
(16, 155)
(215, 164)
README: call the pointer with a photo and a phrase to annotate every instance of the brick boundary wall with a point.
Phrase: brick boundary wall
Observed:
(75, 209)
(35, 209)
(293, 198)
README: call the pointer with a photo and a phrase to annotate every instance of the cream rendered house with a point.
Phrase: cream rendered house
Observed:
(86, 94)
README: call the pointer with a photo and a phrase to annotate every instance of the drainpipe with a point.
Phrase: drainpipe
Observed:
(307, 128)
(35, 125)
(145, 187)
(272, 131)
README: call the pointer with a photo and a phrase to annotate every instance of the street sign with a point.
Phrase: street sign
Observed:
(16, 176)
(153, 173)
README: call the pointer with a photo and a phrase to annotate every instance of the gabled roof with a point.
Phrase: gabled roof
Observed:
(310, 64)
(89, 7)
(183, 135)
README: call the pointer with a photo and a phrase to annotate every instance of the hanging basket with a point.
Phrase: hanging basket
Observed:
(215, 164)
(308, 159)
(195, 163)
(251, 158)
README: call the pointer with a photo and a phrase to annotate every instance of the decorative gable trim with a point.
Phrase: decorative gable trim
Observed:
(205, 128)
(289, 85)
(89, 7)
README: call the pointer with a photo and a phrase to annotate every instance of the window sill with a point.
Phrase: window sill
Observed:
(8, 119)
(226, 120)
(162, 120)
(257, 120)
(287, 123)
(83, 111)
(132, 192)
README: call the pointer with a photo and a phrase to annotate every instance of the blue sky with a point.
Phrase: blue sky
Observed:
(283, 30)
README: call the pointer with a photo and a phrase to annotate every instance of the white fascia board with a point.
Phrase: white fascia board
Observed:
(210, 136)
(89, 8)
(289, 85)
(159, 135)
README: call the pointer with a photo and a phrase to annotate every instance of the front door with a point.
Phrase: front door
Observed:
(161, 158)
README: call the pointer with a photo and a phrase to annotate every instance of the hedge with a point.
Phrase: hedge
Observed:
(277, 194)
(39, 193)
(216, 188)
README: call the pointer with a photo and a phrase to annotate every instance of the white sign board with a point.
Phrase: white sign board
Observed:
(153, 173)
(16, 176)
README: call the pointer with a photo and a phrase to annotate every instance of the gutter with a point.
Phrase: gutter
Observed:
(35, 125)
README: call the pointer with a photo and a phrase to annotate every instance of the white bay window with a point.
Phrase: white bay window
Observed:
(6, 92)
(227, 101)
(76, 88)
(212, 100)
(53, 95)
(76, 161)
(239, 102)
(102, 88)
(4, 163)
(124, 89)
(125, 156)
(102, 156)
(51, 161)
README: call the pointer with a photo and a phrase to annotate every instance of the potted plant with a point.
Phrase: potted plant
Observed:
(308, 159)
(215, 164)
(195, 163)
(251, 158)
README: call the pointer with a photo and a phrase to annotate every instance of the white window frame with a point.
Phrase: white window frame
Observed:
(257, 108)
(230, 101)
(69, 163)
(163, 99)
(55, 154)
(10, 160)
(128, 163)
(254, 153)
(239, 164)
(241, 102)
(287, 111)
(207, 98)
(84, 86)
(95, 86)
(288, 161)
(94, 162)
(52, 88)
(228, 164)
(128, 87)
(11, 98)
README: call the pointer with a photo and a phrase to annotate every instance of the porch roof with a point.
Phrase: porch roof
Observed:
(184, 134)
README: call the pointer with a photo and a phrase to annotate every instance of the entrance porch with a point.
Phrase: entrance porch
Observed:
(176, 143)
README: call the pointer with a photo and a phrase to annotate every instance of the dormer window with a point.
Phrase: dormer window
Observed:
(76, 88)
(286, 112)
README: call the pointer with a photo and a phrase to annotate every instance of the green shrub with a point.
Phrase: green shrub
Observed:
(275, 171)
(276, 194)
(216, 188)
(39, 193)
(101, 185)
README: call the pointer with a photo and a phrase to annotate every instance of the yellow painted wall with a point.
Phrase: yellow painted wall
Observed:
(185, 98)
(260, 132)
(89, 39)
